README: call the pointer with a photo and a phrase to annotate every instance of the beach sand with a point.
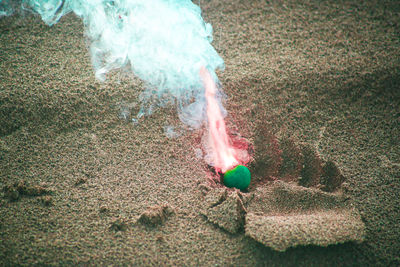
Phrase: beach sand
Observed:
(83, 185)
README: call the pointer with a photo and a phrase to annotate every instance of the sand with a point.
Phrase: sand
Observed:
(83, 185)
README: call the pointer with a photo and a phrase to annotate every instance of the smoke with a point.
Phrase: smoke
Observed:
(163, 42)
(7, 7)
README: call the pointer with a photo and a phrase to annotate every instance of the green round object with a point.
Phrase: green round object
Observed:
(239, 177)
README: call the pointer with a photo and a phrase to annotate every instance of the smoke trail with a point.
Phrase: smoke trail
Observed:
(164, 42)
(7, 7)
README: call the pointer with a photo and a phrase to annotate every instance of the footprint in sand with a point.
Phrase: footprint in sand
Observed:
(295, 199)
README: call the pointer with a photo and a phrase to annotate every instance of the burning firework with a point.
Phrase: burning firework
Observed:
(165, 43)
(224, 155)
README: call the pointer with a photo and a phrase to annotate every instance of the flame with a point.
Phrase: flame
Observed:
(224, 154)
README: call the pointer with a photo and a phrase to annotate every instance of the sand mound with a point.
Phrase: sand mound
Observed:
(155, 215)
(225, 208)
(281, 215)
(320, 228)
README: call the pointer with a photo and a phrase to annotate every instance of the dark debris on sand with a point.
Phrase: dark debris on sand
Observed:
(14, 191)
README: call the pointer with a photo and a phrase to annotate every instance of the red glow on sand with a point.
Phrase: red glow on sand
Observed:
(224, 154)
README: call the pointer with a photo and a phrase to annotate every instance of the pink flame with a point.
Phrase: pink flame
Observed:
(224, 154)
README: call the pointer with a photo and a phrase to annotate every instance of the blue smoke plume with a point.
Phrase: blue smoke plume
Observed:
(7, 7)
(164, 42)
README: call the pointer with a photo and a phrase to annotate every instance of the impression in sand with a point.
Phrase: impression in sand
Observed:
(295, 199)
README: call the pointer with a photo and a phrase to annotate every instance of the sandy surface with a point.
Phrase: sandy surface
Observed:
(325, 74)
